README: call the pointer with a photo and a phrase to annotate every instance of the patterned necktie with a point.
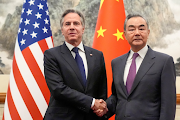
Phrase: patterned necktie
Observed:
(80, 64)
(132, 73)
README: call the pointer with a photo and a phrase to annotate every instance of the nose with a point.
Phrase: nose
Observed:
(137, 32)
(71, 27)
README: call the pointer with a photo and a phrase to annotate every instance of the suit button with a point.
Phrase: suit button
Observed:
(129, 100)
(81, 108)
(126, 115)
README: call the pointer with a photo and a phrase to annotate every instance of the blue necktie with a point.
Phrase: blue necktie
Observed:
(80, 64)
(132, 73)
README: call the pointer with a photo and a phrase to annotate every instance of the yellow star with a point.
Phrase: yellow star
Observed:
(101, 32)
(119, 35)
(102, 1)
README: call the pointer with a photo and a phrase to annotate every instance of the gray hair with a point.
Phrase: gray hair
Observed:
(134, 15)
(72, 11)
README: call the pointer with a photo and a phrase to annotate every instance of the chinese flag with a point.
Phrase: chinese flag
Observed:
(109, 37)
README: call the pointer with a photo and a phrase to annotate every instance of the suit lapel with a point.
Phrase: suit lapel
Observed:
(144, 67)
(121, 67)
(71, 61)
(90, 64)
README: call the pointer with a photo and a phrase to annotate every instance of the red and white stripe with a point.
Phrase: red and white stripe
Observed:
(28, 95)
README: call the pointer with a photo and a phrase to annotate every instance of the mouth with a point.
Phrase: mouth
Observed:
(72, 33)
(137, 39)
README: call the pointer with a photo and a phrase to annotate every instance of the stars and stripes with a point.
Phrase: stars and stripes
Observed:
(28, 95)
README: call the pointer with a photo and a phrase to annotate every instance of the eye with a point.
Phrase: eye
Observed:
(131, 29)
(141, 29)
(67, 23)
(76, 23)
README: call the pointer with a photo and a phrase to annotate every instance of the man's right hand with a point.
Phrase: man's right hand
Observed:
(100, 107)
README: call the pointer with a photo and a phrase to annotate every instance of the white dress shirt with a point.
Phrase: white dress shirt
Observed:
(81, 53)
(138, 60)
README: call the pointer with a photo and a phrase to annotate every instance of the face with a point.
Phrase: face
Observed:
(72, 29)
(136, 33)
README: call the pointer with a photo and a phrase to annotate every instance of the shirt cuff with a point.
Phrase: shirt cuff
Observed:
(93, 101)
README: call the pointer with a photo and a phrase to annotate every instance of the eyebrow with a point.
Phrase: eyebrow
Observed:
(142, 25)
(73, 22)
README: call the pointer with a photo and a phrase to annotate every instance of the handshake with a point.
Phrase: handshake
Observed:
(100, 107)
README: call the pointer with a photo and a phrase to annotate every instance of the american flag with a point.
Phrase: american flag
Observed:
(28, 95)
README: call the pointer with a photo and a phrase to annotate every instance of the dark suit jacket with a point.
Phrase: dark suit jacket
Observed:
(153, 94)
(69, 99)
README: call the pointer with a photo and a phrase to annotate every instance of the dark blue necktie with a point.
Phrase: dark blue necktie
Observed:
(80, 64)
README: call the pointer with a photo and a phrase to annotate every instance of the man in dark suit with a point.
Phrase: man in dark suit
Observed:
(75, 74)
(143, 85)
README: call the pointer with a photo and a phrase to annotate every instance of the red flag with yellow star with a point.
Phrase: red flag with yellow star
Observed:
(109, 37)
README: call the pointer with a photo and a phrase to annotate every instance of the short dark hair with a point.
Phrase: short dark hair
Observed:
(134, 15)
(72, 11)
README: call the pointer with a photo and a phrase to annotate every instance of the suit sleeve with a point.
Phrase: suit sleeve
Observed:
(102, 90)
(112, 100)
(59, 90)
(168, 91)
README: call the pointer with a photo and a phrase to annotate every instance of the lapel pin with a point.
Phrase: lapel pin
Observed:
(91, 54)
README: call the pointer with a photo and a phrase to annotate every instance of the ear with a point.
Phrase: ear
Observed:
(148, 31)
(83, 29)
(124, 34)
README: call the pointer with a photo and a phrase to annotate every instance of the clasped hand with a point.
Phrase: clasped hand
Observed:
(100, 107)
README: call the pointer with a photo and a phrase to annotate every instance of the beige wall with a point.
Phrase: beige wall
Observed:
(4, 80)
(178, 85)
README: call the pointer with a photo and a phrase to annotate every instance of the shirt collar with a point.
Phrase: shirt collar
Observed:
(70, 47)
(141, 52)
